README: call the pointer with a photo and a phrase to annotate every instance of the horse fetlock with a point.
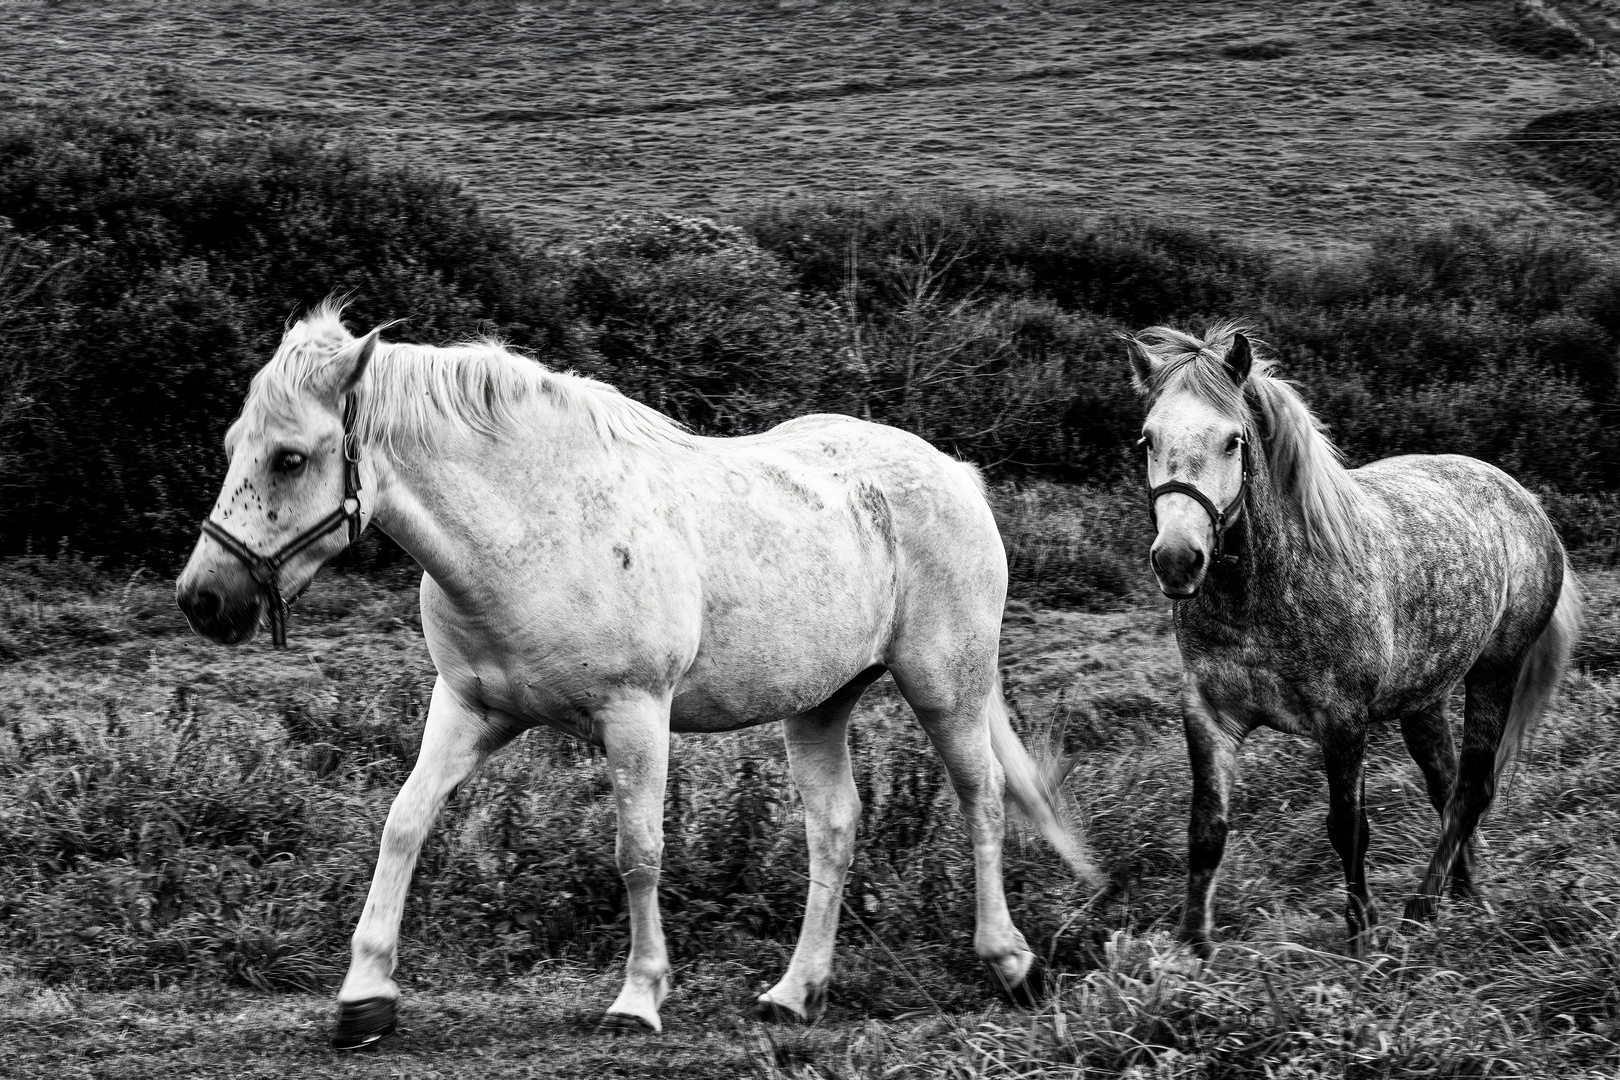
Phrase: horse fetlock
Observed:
(1422, 908)
(793, 1002)
(1360, 913)
(1020, 977)
(370, 977)
(636, 1007)
(1007, 955)
(1198, 933)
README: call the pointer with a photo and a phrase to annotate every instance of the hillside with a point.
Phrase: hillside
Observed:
(1304, 130)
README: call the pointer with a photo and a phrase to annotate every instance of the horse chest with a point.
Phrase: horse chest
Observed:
(1279, 676)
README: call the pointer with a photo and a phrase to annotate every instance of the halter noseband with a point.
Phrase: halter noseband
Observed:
(266, 569)
(1221, 519)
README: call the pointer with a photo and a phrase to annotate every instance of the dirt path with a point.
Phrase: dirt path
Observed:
(1303, 130)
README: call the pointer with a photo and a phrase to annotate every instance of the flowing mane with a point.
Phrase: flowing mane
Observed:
(1306, 468)
(411, 394)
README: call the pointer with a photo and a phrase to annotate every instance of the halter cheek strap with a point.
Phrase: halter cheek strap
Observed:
(1221, 519)
(266, 569)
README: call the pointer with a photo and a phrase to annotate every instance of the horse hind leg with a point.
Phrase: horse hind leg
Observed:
(818, 759)
(1428, 738)
(1506, 696)
(1489, 698)
(954, 709)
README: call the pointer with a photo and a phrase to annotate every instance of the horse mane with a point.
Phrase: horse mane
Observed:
(412, 394)
(1306, 468)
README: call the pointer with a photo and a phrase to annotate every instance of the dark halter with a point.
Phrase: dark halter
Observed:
(1221, 519)
(266, 569)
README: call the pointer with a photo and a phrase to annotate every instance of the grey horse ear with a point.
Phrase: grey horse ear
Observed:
(1239, 357)
(1141, 363)
(349, 364)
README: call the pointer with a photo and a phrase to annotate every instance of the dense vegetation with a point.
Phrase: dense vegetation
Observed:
(147, 267)
(166, 821)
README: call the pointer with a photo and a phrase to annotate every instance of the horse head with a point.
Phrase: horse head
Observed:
(292, 496)
(1199, 461)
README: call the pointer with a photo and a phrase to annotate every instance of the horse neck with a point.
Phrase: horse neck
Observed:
(1272, 556)
(449, 501)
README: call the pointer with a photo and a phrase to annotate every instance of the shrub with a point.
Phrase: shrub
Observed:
(182, 253)
(696, 320)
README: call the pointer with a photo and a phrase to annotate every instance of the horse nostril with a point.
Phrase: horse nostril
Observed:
(204, 604)
(1176, 563)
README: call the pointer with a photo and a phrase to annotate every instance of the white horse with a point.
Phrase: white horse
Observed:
(594, 567)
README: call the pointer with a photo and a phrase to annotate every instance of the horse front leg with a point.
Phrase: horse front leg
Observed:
(1344, 750)
(1213, 743)
(456, 739)
(818, 756)
(635, 734)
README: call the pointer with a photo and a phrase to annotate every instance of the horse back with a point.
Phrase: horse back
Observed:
(1464, 565)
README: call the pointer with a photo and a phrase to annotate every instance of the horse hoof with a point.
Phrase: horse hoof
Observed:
(1421, 909)
(1027, 993)
(361, 1023)
(769, 1012)
(625, 1024)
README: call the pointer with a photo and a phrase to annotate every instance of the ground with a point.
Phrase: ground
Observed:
(1526, 983)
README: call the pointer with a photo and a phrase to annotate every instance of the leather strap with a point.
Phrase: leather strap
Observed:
(1221, 519)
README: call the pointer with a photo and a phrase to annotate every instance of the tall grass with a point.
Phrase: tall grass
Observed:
(167, 820)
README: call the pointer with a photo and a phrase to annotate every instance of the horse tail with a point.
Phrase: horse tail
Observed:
(1543, 667)
(1034, 790)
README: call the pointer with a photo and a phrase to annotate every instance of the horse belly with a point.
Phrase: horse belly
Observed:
(752, 672)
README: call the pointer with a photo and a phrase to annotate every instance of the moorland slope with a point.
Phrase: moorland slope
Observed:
(1300, 126)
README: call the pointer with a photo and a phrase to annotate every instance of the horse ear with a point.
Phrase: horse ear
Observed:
(348, 364)
(1141, 363)
(1239, 357)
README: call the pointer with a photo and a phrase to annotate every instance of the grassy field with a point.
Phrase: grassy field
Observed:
(120, 723)
(187, 832)
(1303, 126)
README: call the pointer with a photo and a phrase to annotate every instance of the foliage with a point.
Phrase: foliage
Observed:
(1473, 338)
(179, 254)
(696, 320)
(150, 266)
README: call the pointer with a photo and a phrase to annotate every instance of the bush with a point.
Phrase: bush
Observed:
(1075, 547)
(181, 255)
(697, 321)
(149, 267)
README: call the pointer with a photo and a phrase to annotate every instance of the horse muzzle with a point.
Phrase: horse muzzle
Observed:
(1180, 569)
(223, 616)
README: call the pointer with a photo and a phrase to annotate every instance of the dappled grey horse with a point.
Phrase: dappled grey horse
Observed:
(1325, 601)
(593, 567)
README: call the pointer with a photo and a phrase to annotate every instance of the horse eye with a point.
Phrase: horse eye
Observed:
(1232, 444)
(290, 462)
(1147, 442)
